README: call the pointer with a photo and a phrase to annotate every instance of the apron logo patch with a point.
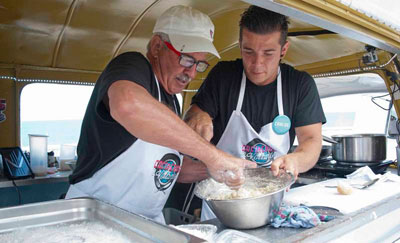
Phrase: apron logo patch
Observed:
(166, 170)
(259, 152)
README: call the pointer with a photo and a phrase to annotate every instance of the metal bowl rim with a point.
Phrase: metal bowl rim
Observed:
(292, 180)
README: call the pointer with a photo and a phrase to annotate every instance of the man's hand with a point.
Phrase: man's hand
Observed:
(288, 163)
(229, 169)
(306, 154)
(223, 167)
(199, 121)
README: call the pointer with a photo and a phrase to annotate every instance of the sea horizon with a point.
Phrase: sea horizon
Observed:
(58, 132)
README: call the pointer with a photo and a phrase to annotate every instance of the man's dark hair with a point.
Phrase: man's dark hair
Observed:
(262, 21)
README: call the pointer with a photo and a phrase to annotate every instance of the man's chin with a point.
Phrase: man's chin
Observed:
(177, 90)
(257, 79)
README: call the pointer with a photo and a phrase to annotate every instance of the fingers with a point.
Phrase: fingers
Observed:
(229, 170)
(285, 164)
(249, 164)
(276, 164)
(216, 175)
(234, 179)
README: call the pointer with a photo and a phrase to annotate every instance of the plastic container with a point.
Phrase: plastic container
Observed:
(229, 236)
(38, 154)
(1, 166)
(67, 153)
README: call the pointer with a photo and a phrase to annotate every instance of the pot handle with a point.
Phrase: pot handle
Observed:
(329, 140)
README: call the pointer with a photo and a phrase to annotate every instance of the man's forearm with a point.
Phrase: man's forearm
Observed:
(309, 150)
(310, 144)
(146, 118)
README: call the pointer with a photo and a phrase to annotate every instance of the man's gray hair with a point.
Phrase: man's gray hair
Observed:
(163, 36)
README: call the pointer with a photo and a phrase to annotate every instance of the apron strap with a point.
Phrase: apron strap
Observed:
(279, 93)
(158, 87)
(159, 95)
(241, 92)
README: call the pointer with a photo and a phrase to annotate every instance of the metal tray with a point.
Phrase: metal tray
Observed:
(74, 211)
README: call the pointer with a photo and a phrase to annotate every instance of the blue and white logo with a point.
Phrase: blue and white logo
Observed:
(166, 170)
(259, 152)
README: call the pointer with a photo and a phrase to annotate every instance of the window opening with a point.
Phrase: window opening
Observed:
(55, 110)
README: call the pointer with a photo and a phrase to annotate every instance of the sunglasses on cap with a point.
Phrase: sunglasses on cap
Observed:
(188, 61)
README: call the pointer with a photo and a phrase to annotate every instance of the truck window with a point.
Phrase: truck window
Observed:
(358, 113)
(355, 113)
(55, 110)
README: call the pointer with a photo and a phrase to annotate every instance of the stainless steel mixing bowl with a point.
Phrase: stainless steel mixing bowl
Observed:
(253, 212)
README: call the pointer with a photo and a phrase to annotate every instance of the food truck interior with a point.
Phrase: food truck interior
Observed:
(52, 52)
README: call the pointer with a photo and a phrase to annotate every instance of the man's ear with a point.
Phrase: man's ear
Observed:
(155, 46)
(285, 48)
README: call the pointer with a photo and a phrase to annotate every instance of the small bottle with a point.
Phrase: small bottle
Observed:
(1, 166)
(51, 159)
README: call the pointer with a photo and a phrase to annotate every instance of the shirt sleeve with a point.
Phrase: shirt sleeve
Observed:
(130, 66)
(309, 110)
(207, 96)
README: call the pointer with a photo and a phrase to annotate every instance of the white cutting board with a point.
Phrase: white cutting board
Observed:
(318, 194)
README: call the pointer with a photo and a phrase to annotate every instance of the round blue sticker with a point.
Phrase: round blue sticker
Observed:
(281, 124)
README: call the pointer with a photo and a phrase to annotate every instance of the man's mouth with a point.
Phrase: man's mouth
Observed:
(183, 79)
(258, 72)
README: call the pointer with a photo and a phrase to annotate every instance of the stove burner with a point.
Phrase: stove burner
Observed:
(332, 168)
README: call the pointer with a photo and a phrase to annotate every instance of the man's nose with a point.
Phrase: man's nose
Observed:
(258, 60)
(191, 71)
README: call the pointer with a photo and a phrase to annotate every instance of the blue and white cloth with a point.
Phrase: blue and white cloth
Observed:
(298, 217)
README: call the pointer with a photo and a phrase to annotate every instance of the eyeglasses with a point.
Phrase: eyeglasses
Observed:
(188, 61)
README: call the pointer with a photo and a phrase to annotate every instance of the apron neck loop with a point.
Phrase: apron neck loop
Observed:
(158, 87)
(278, 92)
(241, 92)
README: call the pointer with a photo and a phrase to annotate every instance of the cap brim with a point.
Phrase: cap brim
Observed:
(187, 44)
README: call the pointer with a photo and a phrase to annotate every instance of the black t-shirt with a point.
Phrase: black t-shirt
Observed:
(102, 138)
(218, 96)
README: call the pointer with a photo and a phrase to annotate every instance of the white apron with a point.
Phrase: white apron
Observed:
(139, 180)
(241, 140)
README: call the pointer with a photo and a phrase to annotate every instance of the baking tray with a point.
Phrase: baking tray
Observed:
(80, 211)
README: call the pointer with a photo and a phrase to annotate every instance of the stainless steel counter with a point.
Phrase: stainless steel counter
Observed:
(377, 223)
(61, 176)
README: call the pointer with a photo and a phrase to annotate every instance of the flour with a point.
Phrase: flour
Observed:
(212, 190)
(88, 232)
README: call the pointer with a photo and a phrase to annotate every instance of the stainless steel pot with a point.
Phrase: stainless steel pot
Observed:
(358, 147)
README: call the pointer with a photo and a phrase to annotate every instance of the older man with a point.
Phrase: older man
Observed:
(131, 133)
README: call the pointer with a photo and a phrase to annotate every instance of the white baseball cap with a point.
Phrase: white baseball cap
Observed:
(189, 30)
